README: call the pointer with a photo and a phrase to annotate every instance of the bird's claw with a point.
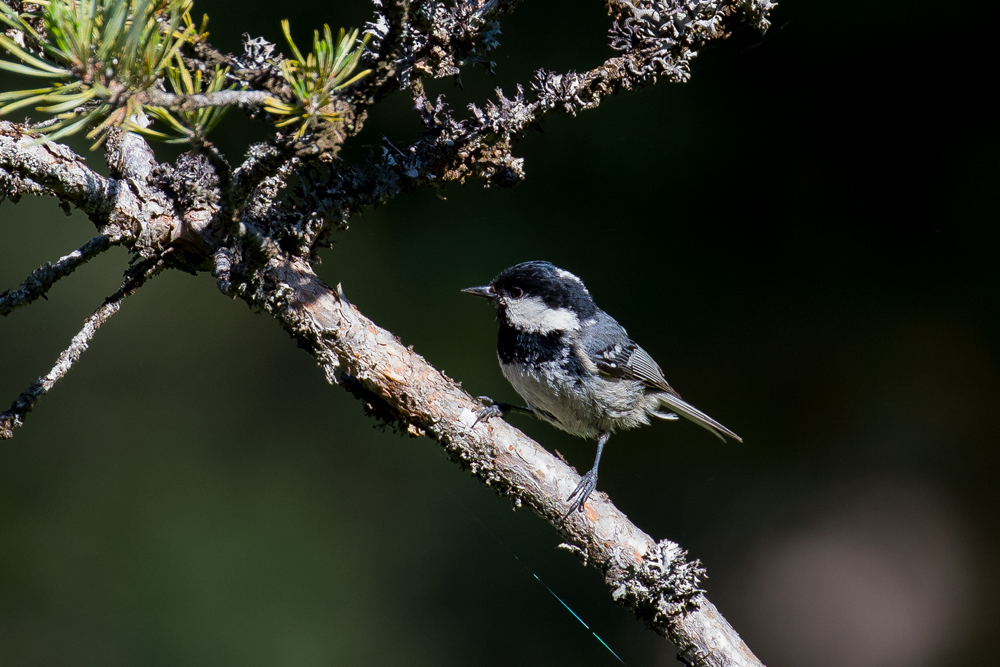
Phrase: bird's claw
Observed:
(583, 490)
(492, 409)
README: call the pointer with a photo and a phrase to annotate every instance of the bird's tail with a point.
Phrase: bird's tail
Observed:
(697, 416)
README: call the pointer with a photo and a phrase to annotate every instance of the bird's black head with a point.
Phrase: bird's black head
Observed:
(535, 295)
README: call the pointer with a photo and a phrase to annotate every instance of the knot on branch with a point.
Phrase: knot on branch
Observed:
(191, 188)
(190, 182)
(661, 587)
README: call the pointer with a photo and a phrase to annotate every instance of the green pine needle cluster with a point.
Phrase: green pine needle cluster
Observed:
(315, 78)
(183, 125)
(103, 60)
(101, 54)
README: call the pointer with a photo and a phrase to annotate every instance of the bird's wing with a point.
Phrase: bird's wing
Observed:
(628, 361)
(631, 362)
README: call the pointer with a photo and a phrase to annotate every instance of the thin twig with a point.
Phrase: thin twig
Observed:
(263, 161)
(41, 279)
(390, 32)
(263, 74)
(480, 146)
(135, 278)
(223, 98)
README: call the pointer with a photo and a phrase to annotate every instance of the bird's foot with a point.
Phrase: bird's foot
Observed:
(492, 409)
(583, 490)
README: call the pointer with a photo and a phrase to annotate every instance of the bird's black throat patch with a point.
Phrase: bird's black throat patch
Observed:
(523, 347)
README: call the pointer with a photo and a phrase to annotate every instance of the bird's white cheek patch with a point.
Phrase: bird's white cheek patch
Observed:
(532, 315)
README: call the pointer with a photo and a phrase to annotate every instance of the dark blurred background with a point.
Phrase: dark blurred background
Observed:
(804, 236)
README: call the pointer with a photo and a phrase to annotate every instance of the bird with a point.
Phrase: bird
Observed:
(574, 365)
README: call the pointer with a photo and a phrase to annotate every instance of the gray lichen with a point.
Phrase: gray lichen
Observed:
(661, 587)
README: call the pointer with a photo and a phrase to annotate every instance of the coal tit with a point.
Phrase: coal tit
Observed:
(574, 365)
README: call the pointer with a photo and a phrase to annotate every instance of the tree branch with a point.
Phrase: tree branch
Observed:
(263, 161)
(188, 103)
(41, 279)
(654, 580)
(135, 278)
(427, 38)
(30, 167)
(657, 39)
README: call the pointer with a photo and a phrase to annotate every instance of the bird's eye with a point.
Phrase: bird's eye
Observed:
(516, 292)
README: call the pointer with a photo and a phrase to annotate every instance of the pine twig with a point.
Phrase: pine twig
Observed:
(135, 278)
(41, 279)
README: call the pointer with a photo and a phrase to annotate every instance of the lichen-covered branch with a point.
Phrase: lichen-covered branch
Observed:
(222, 98)
(41, 279)
(263, 161)
(656, 39)
(415, 38)
(136, 278)
(29, 167)
(654, 580)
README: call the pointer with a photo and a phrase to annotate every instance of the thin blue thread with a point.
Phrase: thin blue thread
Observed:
(537, 578)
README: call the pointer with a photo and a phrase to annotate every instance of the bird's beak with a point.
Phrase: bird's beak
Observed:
(485, 291)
